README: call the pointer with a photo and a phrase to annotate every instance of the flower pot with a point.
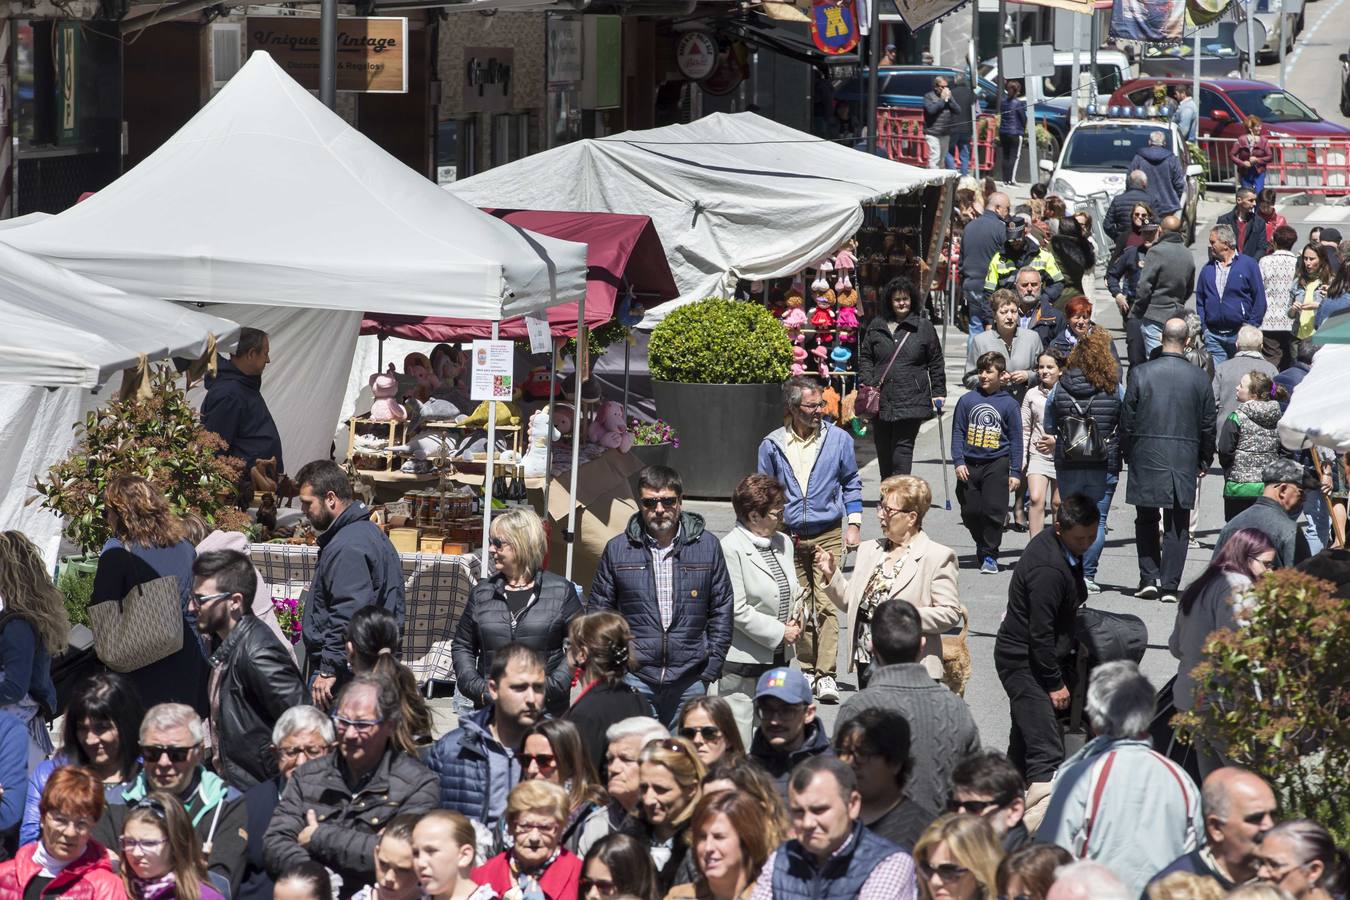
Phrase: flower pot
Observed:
(720, 427)
(652, 454)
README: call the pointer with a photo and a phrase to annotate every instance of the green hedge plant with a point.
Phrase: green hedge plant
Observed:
(720, 341)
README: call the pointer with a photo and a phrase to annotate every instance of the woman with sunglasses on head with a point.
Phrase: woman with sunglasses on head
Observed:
(519, 603)
(444, 844)
(1029, 872)
(670, 784)
(709, 724)
(957, 858)
(161, 856)
(101, 734)
(537, 867)
(618, 865)
(372, 646)
(551, 751)
(875, 743)
(729, 846)
(1301, 857)
(600, 651)
(64, 860)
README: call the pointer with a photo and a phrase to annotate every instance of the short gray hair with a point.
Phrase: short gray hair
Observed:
(303, 718)
(1249, 337)
(1120, 700)
(644, 727)
(1138, 179)
(1087, 880)
(1156, 138)
(797, 385)
(1032, 269)
(164, 716)
(1225, 235)
(1194, 325)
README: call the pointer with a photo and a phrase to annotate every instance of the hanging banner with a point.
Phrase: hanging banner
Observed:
(834, 26)
(918, 13)
(1148, 20)
(1078, 6)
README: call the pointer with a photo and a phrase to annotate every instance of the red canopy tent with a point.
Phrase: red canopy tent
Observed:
(622, 251)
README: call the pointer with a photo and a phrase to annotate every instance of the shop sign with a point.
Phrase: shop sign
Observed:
(696, 55)
(491, 368)
(834, 26)
(732, 69)
(372, 52)
(564, 62)
(68, 40)
(488, 79)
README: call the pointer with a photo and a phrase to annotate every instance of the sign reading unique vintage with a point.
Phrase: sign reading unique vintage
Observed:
(372, 52)
(834, 26)
(488, 78)
(696, 55)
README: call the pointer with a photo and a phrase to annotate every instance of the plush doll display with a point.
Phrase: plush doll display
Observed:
(538, 383)
(794, 320)
(846, 318)
(839, 359)
(507, 414)
(386, 408)
(798, 361)
(822, 356)
(845, 260)
(822, 320)
(609, 429)
(541, 433)
(416, 365)
(447, 364)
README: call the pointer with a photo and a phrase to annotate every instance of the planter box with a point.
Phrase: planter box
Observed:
(652, 454)
(720, 427)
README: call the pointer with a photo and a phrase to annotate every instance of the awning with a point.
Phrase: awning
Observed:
(1335, 330)
(1318, 414)
(623, 252)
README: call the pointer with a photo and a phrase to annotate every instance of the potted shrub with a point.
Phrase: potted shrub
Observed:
(717, 366)
(653, 441)
(161, 439)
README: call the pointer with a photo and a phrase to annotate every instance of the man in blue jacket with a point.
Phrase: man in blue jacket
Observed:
(1228, 294)
(357, 567)
(234, 407)
(1166, 176)
(813, 460)
(666, 575)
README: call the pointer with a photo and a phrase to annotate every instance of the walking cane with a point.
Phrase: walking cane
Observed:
(942, 444)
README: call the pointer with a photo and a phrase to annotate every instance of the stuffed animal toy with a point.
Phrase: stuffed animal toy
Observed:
(822, 320)
(538, 383)
(386, 408)
(507, 414)
(830, 397)
(447, 364)
(839, 359)
(822, 356)
(609, 429)
(541, 433)
(564, 418)
(846, 318)
(798, 361)
(794, 320)
(418, 366)
(825, 265)
(845, 261)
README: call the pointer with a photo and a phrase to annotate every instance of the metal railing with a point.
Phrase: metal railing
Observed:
(1314, 166)
(900, 136)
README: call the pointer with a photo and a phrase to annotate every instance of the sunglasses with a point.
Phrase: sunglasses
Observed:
(947, 872)
(709, 733)
(175, 754)
(606, 888)
(664, 502)
(496, 543)
(342, 724)
(545, 761)
(203, 599)
(975, 807)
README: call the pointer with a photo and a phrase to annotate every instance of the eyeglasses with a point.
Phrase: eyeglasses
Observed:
(61, 823)
(175, 754)
(892, 511)
(546, 762)
(606, 888)
(947, 872)
(313, 752)
(664, 502)
(203, 599)
(709, 733)
(856, 754)
(812, 407)
(1274, 868)
(130, 845)
(520, 829)
(343, 724)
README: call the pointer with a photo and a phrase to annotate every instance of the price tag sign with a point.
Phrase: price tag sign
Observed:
(491, 370)
(540, 338)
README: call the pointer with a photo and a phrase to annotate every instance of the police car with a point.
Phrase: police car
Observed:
(1097, 154)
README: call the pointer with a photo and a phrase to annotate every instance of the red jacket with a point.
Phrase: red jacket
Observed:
(560, 881)
(88, 878)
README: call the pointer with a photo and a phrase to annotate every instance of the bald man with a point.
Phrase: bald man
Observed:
(1087, 880)
(1239, 808)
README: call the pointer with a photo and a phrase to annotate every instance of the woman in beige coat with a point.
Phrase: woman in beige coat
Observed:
(905, 563)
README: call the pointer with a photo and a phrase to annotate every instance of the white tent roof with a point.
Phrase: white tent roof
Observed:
(267, 197)
(1318, 414)
(58, 328)
(731, 194)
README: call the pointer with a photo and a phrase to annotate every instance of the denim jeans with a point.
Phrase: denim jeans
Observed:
(959, 155)
(977, 326)
(1316, 521)
(1099, 486)
(667, 699)
(1151, 332)
(1221, 346)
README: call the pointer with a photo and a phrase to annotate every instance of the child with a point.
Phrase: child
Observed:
(1040, 447)
(443, 850)
(395, 876)
(162, 858)
(986, 438)
(304, 881)
(1248, 442)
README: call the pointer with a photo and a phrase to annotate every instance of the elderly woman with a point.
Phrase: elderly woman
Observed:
(301, 734)
(537, 865)
(1301, 857)
(671, 779)
(766, 614)
(519, 603)
(64, 860)
(904, 563)
(1020, 346)
(622, 772)
(1079, 313)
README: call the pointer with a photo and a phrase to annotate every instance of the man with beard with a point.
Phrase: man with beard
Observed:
(357, 567)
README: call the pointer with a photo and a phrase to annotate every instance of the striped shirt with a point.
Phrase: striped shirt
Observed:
(663, 571)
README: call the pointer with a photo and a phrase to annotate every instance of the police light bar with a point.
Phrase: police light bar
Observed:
(1116, 111)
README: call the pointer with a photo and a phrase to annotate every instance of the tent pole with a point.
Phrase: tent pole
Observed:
(489, 470)
(328, 27)
(627, 360)
(552, 399)
(571, 535)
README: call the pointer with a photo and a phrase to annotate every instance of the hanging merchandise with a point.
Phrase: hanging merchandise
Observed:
(834, 26)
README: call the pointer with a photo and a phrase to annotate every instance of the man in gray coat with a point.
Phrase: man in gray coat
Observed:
(1168, 437)
(1166, 282)
(1275, 511)
(940, 110)
(942, 730)
(980, 243)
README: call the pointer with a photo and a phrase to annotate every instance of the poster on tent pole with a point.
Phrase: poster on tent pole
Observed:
(491, 370)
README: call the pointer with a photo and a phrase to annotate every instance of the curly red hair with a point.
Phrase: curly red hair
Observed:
(1093, 357)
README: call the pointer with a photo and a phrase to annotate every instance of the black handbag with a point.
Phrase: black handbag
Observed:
(1078, 435)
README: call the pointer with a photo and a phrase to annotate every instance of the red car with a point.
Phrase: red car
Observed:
(1225, 102)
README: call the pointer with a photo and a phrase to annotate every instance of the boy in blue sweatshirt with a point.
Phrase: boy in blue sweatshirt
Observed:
(986, 436)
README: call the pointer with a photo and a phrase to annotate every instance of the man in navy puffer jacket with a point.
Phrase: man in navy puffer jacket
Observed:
(667, 577)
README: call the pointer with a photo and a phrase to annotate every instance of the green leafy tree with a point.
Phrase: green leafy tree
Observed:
(161, 439)
(720, 341)
(1274, 696)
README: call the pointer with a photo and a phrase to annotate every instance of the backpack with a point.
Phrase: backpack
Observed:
(1078, 435)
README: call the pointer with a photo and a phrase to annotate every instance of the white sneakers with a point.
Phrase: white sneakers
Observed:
(826, 690)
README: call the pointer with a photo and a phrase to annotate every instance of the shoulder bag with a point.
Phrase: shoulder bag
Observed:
(869, 396)
(1078, 435)
(142, 628)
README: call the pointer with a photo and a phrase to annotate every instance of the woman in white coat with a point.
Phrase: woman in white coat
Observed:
(766, 613)
(905, 563)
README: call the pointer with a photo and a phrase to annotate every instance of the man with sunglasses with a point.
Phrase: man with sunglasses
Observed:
(814, 461)
(1239, 808)
(667, 576)
(253, 675)
(988, 784)
(1275, 512)
(172, 750)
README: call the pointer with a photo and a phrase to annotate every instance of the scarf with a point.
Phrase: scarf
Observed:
(154, 888)
(528, 882)
(50, 865)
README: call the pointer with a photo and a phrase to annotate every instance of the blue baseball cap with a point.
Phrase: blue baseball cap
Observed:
(786, 684)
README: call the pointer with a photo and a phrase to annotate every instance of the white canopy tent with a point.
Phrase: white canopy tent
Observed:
(1318, 414)
(732, 195)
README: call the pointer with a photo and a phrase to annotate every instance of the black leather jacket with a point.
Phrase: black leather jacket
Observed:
(259, 682)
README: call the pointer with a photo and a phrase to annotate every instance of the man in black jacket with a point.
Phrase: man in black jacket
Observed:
(1168, 432)
(1034, 648)
(357, 567)
(980, 242)
(253, 676)
(666, 575)
(234, 407)
(1248, 226)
